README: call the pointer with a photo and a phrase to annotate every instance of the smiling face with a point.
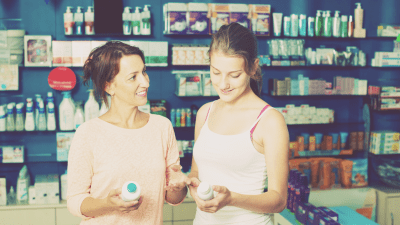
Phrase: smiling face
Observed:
(228, 76)
(131, 84)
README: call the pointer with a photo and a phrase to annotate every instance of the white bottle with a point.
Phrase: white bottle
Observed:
(66, 111)
(78, 20)
(205, 191)
(69, 21)
(130, 191)
(23, 183)
(10, 117)
(11, 198)
(64, 185)
(91, 107)
(29, 120)
(51, 117)
(3, 119)
(145, 25)
(49, 99)
(42, 125)
(19, 119)
(135, 17)
(336, 24)
(126, 21)
(79, 115)
(89, 21)
(37, 102)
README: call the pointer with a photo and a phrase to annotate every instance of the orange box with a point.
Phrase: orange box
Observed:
(360, 141)
(328, 143)
(312, 143)
(353, 139)
(294, 149)
(300, 141)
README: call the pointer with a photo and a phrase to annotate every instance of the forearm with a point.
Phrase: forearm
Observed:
(92, 207)
(175, 197)
(268, 202)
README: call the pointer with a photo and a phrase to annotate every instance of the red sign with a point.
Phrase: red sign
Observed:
(62, 79)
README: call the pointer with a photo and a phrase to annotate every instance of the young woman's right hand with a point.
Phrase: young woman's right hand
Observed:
(116, 202)
(193, 188)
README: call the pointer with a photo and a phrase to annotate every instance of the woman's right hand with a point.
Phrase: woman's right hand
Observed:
(193, 188)
(116, 203)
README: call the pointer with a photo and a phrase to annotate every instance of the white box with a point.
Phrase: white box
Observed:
(37, 51)
(144, 46)
(32, 195)
(9, 80)
(47, 189)
(80, 52)
(12, 154)
(3, 191)
(41, 189)
(158, 54)
(62, 53)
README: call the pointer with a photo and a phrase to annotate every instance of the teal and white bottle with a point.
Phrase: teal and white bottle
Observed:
(145, 23)
(130, 191)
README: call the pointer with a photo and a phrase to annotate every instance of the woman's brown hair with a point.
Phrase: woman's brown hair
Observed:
(236, 40)
(103, 63)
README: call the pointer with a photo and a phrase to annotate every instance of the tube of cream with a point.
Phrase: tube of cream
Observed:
(343, 139)
(318, 140)
(277, 23)
(346, 168)
(286, 26)
(335, 137)
(306, 140)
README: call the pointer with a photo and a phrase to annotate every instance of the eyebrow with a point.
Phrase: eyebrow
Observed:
(229, 71)
(135, 72)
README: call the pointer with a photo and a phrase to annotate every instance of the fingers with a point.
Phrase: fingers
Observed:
(127, 207)
(115, 192)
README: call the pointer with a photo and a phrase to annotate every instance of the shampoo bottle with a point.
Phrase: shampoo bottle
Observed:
(79, 115)
(64, 185)
(78, 19)
(358, 16)
(3, 119)
(318, 24)
(69, 21)
(29, 120)
(336, 24)
(136, 21)
(91, 107)
(10, 117)
(42, 125)
(89, 21)
(303, 25)
(23, 183)
(350, 27)
(328, 24)
(67, 110)
(343, 27)
(311, 26)
(19, 120)
(145, 25)
(205, 191)
(130, 191)
(126, 21)
(51, 117)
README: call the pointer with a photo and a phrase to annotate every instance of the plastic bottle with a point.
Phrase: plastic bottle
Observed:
(358, 16)
(173, 117)
(66, 111)
(126, 21)
(10, 117)
(205, 191)
(343, 27)
(328, 24)
(89, 21)
(49, 99)
(286, 26)
(336, 24)
(350, 27)
(130, 191)
(136, 21)
(145, 23)
(178, 118)
(3, 119)
(91, 107)
(311, 26)
(188, 117)
(37, 102)
(19, 119)
(11, 197)
(79, 118)
(51, 117)
(294, 25)
(29, 120)
(183, 117)
(42, 125)
(303, 25)
(64, 185)
(69, 21)
(318, 24)
(78, 19)
(23, 183)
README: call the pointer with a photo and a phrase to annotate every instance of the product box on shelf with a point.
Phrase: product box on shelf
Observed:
(260, 16)
(47, 189)
(144, 46)
(197, 18)
(37, 51)
(9, 80)
(64, 140)
(62, 53)
(208, 88)
(384, 142)
(12, 154)
(3, 191)
(80, 52)
(220, 15)
(175, 20)
(188, 83)
(388, 30)
(158, 54)
(239, 13)
(158, 107)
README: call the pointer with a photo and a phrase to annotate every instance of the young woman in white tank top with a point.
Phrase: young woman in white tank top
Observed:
(239, 139)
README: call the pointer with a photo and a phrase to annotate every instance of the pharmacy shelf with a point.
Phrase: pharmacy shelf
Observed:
(327, 124)
(391, 153)
(324, 153)
(315, 96)
(110, 35)
(196, 96)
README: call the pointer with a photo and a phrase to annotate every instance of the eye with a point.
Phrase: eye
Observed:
(235, 76)
(215, 73)
(133, 77)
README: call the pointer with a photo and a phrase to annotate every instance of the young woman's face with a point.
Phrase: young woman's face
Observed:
(228, 76)
(131, 84)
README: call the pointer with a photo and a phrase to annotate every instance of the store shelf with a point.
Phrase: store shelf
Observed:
(326, 124)
(314, 96)
(393, 153)
(196, 96)
(318, 153)
(119, 35)
(313, 67)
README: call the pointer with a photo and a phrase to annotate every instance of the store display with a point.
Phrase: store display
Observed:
(37, 51)
(385, 30)
(306, 114)
(386, 59)
(69, 21)
(384, 142)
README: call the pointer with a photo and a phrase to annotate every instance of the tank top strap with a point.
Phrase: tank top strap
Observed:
(208, 112)
(258, 119)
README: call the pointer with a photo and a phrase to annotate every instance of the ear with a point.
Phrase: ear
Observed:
(256, 65)
(109, 88)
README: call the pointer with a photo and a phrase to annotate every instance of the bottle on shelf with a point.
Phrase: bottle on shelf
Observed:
(359, 32)
(328, 24)
(350, 27)
(69, 21)
(178, 118)
(11, 197)
(303, 25)
(126, 21)
(91, 107)
(3, 118)
(343, 27)
(173, 117)
(183, 117)
(89, 21)
(19, 119)
(79, 118)
(30, 119)
(311, 26)
(318, 24)
(49, 99)
(145, 22)
(336, 24)
(37, 107)
(42, 125)
(66, 111)
(23, 183)
(136, 21)
(51, 117)
(78, 20)
(10, 117)
(64, 185)
(189, 118)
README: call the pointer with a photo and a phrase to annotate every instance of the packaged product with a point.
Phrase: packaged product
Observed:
(346, 169)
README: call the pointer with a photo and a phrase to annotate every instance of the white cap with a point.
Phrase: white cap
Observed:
(146, 7)
(69, 9)
(358, 4)
(328, 13)
(310, 18)
(344, 18)
(137, 9)
(350, 18)
(127, 9)
(303, 16)
(79, 9)
(20, 105)
(10, 106)
(49, 94)
(90, 9)
(337, 13)
(294, 16)
(286, 18)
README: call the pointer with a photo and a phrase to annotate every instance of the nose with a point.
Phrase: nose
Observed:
(144, 80)
(224, 83)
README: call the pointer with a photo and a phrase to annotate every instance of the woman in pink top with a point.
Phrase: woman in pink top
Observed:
(122, 145)
(240, 139)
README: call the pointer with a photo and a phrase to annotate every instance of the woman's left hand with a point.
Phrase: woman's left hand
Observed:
(176, 179)
(222, 199)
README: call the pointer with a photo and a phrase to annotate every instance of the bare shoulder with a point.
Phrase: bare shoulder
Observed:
(273, 119)
(202, 112)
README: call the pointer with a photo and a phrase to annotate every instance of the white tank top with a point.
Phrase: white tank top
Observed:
(233, 162)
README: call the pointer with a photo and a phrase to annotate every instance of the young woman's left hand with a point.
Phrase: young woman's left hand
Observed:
(176, 179)
(222, 199)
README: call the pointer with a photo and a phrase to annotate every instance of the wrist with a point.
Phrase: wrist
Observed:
(232, 199)
(107, 205)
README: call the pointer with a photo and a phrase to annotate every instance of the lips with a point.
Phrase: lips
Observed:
(227, 91)
(142, 93)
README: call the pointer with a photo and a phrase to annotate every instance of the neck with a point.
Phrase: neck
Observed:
(124, 115)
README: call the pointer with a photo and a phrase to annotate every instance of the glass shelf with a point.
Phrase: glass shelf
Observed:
(318, 153)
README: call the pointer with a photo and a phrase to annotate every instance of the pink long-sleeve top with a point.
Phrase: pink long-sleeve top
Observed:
(103, 156)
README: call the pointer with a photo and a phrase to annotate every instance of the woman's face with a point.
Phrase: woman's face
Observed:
(228, 76)
(131, 84)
